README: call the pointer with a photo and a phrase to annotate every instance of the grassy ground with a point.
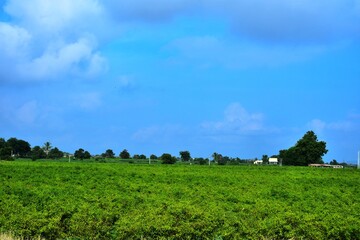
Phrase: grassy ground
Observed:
(119, 201)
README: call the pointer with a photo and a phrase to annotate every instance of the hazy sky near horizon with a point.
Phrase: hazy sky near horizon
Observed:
(241, 78)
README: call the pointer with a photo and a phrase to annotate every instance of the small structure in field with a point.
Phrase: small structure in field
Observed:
(325, 165)
(258, 162)
(273, 161)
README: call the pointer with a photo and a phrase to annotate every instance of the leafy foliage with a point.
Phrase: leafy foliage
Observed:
(185, 156)
(82, 154)
(37, 153)
(109, 153)
(168, 159)
(124, 154)
(306, 151)
(18, 147)
(153, 157)
(111, 201)
(5, 153)
(55, 153)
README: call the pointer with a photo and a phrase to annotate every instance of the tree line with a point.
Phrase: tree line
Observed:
(307, 150)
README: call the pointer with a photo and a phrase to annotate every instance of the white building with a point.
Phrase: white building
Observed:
(258, 162)
(273, 161)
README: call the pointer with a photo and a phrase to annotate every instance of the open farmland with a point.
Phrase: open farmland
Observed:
(121, 201)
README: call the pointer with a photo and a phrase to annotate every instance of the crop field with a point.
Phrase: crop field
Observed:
(60, 200)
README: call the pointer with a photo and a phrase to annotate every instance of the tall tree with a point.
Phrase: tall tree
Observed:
(37, 153)
(5, 153)
(47, 147)
(124, 154)
(307, 150)
(108, 153)
(185, 156)
(265, 159)
(82, 154)
(55, 153)
(2, 143)
(18, 147)
(168, 159)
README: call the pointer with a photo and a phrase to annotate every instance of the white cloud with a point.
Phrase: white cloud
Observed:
(14, 40)
(76, 58)
(149, 10)
(43, 16)
(237, 120)
(320, 126)
(52, 40)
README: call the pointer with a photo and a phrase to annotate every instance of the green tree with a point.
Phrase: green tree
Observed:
(222, 160)
(168, 159)
(265, 159)
(334, 162)
(307, 150)
(5, 153)
(124, 154)
(153, 157)
(37, 153)
(87, 155)
(82, 154)
(216, 156)
(185, 156)
(47, 147)
(201, 161)
(55, 153)
(108, 153)
(2, 143)
(18, 147)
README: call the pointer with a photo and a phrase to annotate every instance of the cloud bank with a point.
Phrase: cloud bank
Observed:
(56, 40)
(49, 40)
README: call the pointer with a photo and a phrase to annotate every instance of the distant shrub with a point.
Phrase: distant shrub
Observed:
(168, 159)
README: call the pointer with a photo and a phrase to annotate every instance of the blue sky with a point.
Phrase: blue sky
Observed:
(241, 78)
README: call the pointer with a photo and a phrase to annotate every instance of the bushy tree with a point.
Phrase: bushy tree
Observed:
(265, 159)
(153, 157)
(306, 151)
(334, 162)
(18, 147)
(2, 143)
(185, 156)
(222, 160)
(108, 154)
(5, 153)
(216, 157)
(55, 153)
(82, 154)
(124, 154)
(201, 161)
(37, 153)
(137, 156)
(168, 159)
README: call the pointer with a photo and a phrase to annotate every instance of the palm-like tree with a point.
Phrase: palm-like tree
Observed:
(47, 147)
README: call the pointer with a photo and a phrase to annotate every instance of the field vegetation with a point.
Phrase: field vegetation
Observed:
(80, 200)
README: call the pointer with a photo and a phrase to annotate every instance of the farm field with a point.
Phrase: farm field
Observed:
(60, 200)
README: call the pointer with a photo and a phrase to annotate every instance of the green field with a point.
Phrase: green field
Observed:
(60, 200)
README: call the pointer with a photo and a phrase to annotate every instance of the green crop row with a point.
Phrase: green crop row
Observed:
(59, 200)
